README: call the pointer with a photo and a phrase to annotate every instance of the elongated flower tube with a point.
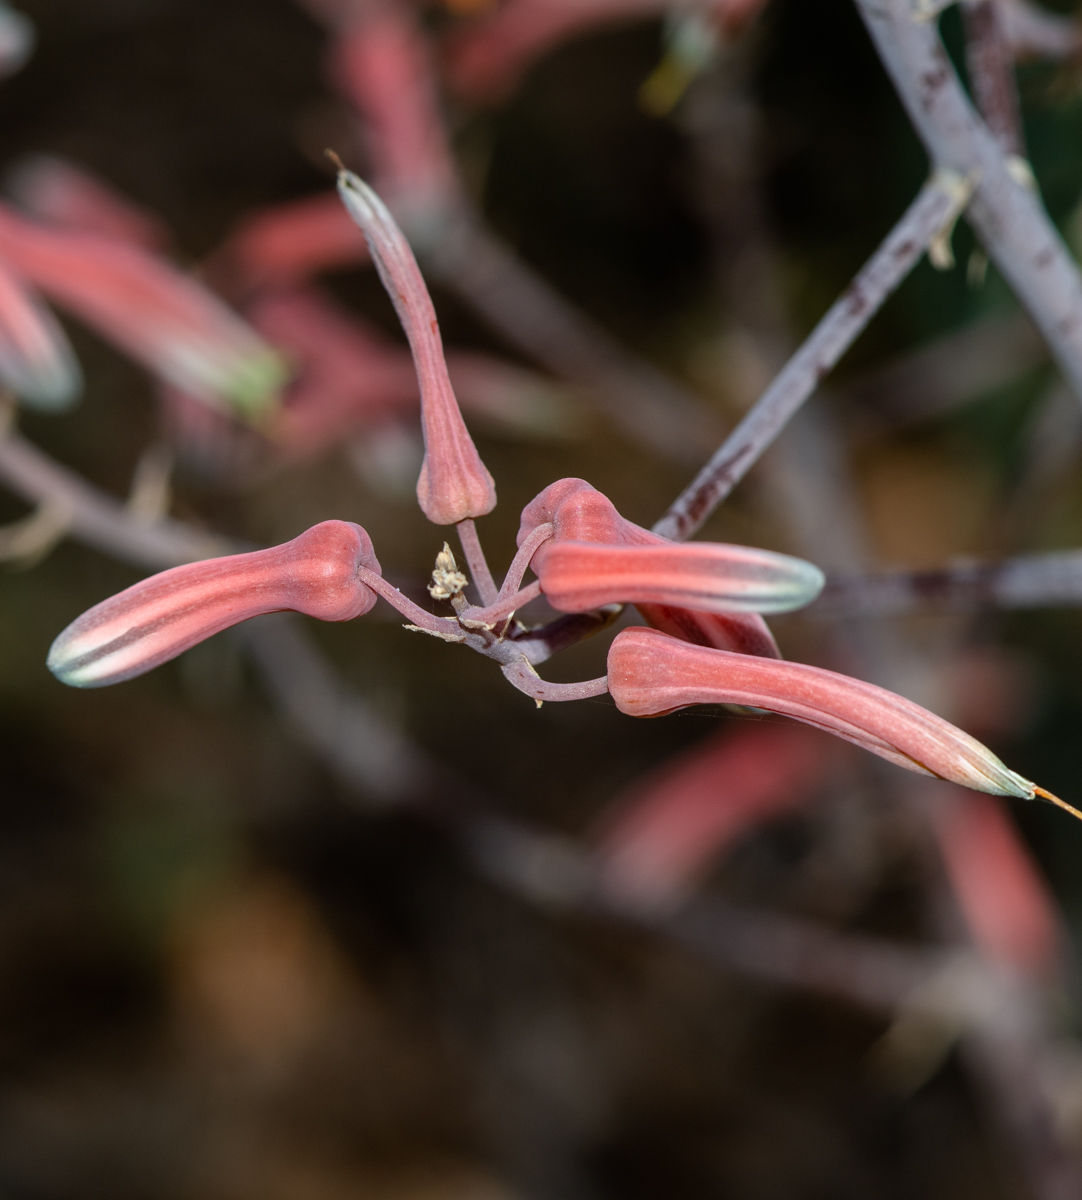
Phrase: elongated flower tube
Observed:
(36, 361)
(579, 514)
(161, 317)
(154, 621)
(454, 484)
(651, 674)
(707, 576)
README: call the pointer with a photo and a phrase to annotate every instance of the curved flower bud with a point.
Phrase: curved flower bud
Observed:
(36, 359)
(651, 674)
(154, 621)
(161, 317)
(595, 552)
(454, 484)
(707, 576)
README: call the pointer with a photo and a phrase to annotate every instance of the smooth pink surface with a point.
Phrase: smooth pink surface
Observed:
(707, 576)
(454, 483)
(36, 360)
(154, 621)
(577, 511)
(1003, 896)
(651, 674)
(665, 833)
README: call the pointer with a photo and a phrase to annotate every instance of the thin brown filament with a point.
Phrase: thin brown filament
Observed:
(1039, 791)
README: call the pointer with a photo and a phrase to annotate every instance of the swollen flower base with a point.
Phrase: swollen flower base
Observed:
(709, 644)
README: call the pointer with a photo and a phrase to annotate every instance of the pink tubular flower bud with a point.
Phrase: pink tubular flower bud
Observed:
(454, 484)
(705, 593)
(706, 576)
(154, 621)
(651, 674)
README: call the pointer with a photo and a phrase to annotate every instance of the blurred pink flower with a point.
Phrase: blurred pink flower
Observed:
(161, 317)
(36, 361)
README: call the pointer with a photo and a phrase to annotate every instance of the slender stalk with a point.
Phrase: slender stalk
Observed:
(939, 202)
(476, 561)
(1033, 31)
(1006, 214)
(522, 676)
(536, 538)
(443, 627)
(502, 607)
(1029, 581)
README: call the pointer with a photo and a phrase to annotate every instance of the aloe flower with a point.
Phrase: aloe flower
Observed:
(36, 361)
(318, 573)
(454, 484)
(706, 593)
(651, 674)
(161, 317)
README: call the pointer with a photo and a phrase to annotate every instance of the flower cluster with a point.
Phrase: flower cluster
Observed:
(707, 641)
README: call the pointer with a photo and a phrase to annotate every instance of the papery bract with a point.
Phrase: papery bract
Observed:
(161, 317)
(36, 360)
(454, 484)
(64, 194)
(663, 835)
(651, 674)
(154, 621)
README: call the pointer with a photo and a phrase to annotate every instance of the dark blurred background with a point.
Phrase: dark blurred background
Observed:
(221, 973)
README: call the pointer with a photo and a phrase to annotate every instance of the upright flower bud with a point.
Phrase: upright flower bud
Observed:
(651, 674)
(454, 484)
(157, 619)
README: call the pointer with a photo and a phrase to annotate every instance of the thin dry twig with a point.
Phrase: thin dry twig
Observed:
(938, 203)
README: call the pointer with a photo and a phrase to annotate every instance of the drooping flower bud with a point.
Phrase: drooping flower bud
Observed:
(454, 484)
(36, 360)
(154, 621)
(651, 674)
(705, 592)
(148, 308)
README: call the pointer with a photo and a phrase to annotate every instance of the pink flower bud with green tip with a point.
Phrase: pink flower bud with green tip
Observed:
(705, 576)
(36, 361)
(707, 593)
(161, 317)
(129, 634)
(454, 484)
(651, 674)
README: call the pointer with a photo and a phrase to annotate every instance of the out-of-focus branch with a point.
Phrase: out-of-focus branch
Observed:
(1034, 32)
(1006, 214)
(97, 519)
(1029, 581)
(652, 408)
(938, 203)
(990, 65)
